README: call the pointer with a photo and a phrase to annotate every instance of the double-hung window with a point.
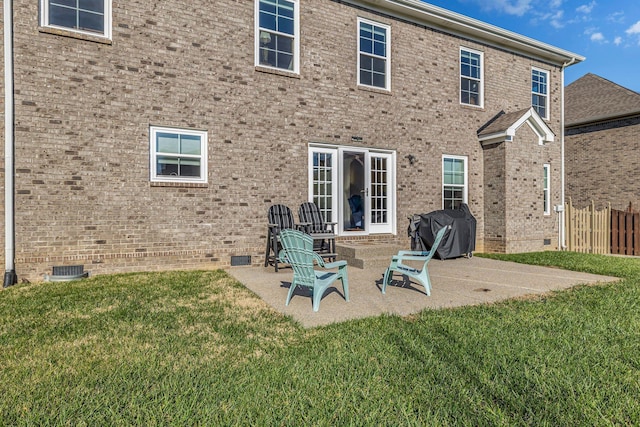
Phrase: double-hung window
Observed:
(84, 16)
(374, 62)
(454, 181)
(178, 155)
(278, 34)
(471, 84)
(546, 192)
(540, 92)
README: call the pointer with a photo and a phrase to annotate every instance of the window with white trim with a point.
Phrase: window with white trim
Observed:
(178, 155)
(546, 192)
(454, 181)
(471, 77)
(540, 92)
(374, 62)
(84, 16)
(277, 34)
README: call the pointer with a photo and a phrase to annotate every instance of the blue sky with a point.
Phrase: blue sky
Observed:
(607, 33)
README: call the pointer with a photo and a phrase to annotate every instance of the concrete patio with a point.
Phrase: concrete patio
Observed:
(455, 282)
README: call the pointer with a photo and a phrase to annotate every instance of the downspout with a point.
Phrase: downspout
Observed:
(10, 277)
(561, 234)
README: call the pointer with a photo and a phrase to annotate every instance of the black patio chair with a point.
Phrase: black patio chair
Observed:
(279, 218)
(323, 233)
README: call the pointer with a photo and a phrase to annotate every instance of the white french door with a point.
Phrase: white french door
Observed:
(354, 187)
(381, 193)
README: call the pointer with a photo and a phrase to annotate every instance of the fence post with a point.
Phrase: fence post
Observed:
(636, 233)
(592, 225)
(615, 232)
(607, 235)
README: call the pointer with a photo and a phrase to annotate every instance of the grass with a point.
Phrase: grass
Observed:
(197, 348)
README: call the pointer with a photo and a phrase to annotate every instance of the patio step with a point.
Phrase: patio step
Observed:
(367, 254)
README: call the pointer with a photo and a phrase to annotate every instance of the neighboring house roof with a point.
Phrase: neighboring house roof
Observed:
(503, 127)
(592, 98)
(454, 23)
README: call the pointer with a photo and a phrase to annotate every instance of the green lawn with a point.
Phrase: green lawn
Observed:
(197, 348)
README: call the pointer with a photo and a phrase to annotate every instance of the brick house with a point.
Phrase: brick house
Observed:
(155, 135)
(602, 128)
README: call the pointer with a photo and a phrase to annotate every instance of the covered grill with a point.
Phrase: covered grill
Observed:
(460, 240)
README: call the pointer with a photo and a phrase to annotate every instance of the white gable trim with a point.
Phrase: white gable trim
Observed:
(531, 118)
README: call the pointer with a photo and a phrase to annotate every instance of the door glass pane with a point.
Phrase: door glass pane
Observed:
(379, 171)
(322, 184)
(354, 191)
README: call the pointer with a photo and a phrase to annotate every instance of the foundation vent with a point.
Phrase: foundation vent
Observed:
(237, 260)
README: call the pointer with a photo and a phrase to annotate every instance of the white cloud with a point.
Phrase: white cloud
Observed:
(555, 4)
(617, 41)
(556, 19)
(510, 7)
(634, 29)
(590, 30)
(595, 35)
(586, 8)
(616, 17)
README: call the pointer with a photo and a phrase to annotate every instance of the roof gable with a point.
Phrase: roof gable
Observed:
(504, 127)
(592, 98)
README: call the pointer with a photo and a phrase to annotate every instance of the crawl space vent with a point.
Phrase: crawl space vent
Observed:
(240, 260)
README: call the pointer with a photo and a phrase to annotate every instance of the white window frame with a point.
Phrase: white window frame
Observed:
(387, 57)
(545, 94)
(44, 20)
(546, 189)
(480, 80)
(296, 38)
(465, 186)
(154, 177)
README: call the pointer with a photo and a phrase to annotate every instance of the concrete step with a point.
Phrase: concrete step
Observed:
(367, 254)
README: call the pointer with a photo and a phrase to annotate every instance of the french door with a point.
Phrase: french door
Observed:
(355, 188)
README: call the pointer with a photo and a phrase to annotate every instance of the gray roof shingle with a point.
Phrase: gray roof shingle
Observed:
(502, 123)
(592, 98)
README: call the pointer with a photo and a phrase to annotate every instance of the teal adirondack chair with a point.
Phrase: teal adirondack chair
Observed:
(297, 250)
(421, 275)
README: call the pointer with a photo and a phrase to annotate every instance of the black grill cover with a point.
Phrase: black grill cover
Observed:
(460, 240)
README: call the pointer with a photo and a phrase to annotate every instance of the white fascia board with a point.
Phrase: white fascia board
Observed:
(495, 138)
(455, 23)
(535, 122)
(531, 118)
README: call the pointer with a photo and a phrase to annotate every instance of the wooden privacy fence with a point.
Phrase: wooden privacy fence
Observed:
(588, 230)
(625, 232)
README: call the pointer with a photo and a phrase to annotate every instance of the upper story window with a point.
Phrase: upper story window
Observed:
(454, 181)
(277, 34)
(540, 92)
(471, 78)
(374, 63)
(178, 155)
(83, 16)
